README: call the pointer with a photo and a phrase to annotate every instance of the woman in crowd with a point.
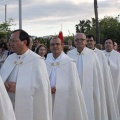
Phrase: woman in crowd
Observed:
(42, 50)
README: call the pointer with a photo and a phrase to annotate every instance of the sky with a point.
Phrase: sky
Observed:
(48, 17)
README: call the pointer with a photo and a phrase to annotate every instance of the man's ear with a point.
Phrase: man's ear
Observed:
(25, 42)
(95, 42)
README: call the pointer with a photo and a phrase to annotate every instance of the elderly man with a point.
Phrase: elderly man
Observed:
(26, 80)
(112, 108)
(67, 97)
(113, 58)
(91, 78)
(6, 109)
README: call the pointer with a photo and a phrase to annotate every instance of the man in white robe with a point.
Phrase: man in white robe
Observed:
(67, 97)
(112, 107)
(91, 78)
(113, 58)
(26, 80)
(6, 109)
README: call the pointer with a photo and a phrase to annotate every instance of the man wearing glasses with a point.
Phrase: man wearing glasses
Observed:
(90, 75)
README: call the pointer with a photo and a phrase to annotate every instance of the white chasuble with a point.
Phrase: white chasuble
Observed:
(68, 102)
(92, 84)
(32, 96)
(112, 108)
(114, 64)
(6, 109)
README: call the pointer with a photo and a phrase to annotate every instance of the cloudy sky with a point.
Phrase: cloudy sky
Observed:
(47, 17)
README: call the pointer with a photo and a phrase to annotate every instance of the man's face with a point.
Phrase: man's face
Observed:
(80, 41)
(90, 43)
(109, 45)
(16, 43)
(115, 46)
(56, 47)
(36, 43)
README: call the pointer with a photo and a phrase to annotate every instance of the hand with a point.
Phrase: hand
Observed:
(53, 90)
(7, 86)
(12, 87)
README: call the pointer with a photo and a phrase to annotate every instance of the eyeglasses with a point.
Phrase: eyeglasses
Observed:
(53, 44)
(79, 40)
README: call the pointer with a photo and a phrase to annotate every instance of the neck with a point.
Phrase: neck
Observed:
(56, 55)
(93, 48)
(108, 50)
(23, 51)
(80, 50)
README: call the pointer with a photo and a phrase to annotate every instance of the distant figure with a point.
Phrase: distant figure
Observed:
(36, 44)
(31, 43)
(42, 50)
(10, 50)
(66, 48)
(4, 53)
(99, 46)
(115, 46)
(70, 45)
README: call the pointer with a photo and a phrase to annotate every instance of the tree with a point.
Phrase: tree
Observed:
(83, 26)
(5, 28)
(109, 27)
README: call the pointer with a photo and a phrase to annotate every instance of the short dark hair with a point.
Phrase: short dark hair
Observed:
(110, 39)
(89, 36)
(23, 35)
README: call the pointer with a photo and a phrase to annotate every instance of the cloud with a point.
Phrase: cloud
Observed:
(52, 13)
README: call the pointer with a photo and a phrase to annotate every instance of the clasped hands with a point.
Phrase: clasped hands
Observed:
(10, 86)
(53, 90)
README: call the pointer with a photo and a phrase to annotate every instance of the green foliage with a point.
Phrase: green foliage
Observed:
(5, 28)
(109, 27)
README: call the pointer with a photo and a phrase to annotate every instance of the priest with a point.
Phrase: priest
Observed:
(67, 98)
(112, 108)
(113, 58)
(6, 109)
(26, 80)
(91, 78)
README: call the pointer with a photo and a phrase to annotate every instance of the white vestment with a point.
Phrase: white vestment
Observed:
(92, 83)
(6, 109)
(32, 96)
(113, 58)
(112, 108)
(68, 101)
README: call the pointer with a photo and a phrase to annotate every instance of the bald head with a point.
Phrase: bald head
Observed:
(56, 47)
(80, 41)
(55, 38)
(80, 35)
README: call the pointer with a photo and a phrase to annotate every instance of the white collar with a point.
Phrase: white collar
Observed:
(20, 57)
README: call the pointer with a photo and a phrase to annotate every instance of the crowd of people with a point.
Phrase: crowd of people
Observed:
(80, 82)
